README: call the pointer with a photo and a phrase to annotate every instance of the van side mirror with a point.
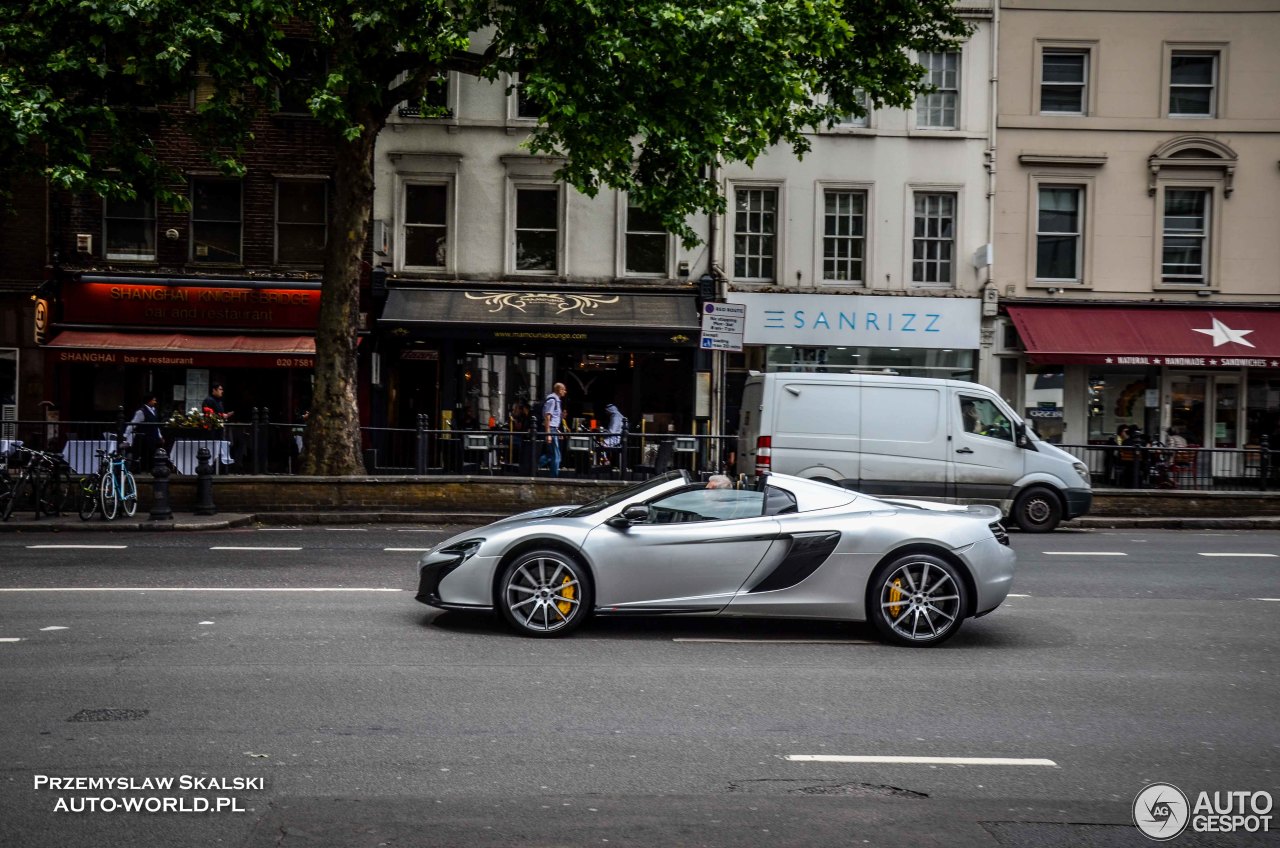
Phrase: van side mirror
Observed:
(1020, 437)
(633, 514)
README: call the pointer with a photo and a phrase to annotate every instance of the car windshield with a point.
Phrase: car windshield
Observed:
(629, 492)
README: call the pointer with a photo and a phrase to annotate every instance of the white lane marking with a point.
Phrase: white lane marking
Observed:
(347, 529)
(83, 547)
(940, 761)
(252, 548)
(1273, 600)
(206, 622)
(1017, 596)
(193, 589)
(270, 529)
(10, 639)
(780, 641)
(46, 629)
(1237, 555)
(1084, 553)
(407, 550)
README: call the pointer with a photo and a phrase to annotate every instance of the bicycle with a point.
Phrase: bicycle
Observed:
(116, 487)
(43, 480)
(88, 491)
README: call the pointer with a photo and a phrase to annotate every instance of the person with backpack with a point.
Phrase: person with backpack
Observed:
(552, 416)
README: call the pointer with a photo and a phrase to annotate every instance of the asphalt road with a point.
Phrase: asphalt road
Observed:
(299, 661)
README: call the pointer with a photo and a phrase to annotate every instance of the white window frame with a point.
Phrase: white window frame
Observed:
(820, 237)
(1078, 234)
(1087, 184)
(411, 111)
(514, 186)
(936, 101)
(425, 168)
(106, 229)
(624, 218)
(513, 103)
(1207, 235)
(402, 216)
(1218, 99)
(191, 221)
(275, 216)
(957, 194)
(1086, 51)
(731, 231)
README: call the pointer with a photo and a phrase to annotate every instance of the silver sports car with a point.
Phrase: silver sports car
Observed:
(781, 547)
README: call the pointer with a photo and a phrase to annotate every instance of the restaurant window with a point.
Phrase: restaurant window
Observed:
(130, 229)
(537, 229)
(647, 243)
(215, 220)
(302, 218)
(755, 232)
(426, 225)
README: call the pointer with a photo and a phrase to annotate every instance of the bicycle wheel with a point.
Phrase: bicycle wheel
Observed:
(88, 497)
(128, 493)
(6, 497)
(53, 494)
(107, 496)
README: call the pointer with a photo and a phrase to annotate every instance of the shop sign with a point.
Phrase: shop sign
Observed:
(812, 320)
(1170, 361)
(183, 359)
(42, 321)
(134, 304)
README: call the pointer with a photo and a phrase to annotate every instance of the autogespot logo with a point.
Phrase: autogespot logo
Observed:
(1160, 811)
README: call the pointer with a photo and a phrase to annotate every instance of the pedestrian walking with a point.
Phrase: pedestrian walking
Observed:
(552, 418)
(143, 435)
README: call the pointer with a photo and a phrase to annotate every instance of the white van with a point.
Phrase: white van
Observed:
(932, 439)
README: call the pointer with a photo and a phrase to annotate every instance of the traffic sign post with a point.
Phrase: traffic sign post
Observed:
(723, 325)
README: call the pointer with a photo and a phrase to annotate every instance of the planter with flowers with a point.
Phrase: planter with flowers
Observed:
(195, 423)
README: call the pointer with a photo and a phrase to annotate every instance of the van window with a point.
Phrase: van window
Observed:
(817, 408)
(983, 418)
(900, 413)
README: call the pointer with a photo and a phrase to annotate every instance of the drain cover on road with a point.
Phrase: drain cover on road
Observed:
(109, 715)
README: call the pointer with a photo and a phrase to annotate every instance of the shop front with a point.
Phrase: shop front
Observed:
(465, 358)
(109, 341)
(1203, 377)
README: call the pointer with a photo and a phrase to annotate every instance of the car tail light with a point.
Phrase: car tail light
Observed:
(764, 453)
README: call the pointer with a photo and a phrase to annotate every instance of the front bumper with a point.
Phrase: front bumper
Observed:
(992, 565)
(1079, 502)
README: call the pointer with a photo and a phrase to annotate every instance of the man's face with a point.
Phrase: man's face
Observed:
(217, 391)
(562, 391)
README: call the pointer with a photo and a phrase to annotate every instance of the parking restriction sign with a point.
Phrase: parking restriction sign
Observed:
(722, 326)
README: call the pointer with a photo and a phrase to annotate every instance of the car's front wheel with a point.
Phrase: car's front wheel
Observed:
(545, 593)
(917, 599)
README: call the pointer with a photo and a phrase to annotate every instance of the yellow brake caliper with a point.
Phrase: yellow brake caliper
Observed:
(568, 593)
(895, 597)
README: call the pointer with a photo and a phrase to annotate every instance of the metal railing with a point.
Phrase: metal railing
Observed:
(1158, 466)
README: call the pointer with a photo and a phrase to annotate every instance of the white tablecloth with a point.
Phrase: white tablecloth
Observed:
(7, 446)
(182, 453)
(82, 454)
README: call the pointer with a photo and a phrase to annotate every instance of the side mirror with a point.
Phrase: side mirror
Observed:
(1020, 437)
(633, 514)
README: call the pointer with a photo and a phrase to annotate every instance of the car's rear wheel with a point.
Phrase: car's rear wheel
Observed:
(917, 599)
(545, 593)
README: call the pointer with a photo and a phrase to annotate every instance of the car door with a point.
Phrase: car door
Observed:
(696, 551)
(986, 459)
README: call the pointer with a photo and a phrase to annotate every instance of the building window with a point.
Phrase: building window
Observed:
(755, 231)
(525, 107)
(215, 220)
(933, 243)
(302, 221)
(646, 243)
(844, 235)
(1064, 76)
(205, 88)
(1193, 77)
(130, 229)
(537, 229)
(426, 228)
(862, 121)
(1058, 233)
(937, 110)
(1186, 236)
(299, 79)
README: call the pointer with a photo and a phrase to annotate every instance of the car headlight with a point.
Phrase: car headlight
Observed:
(463, 550)
(1083, 471)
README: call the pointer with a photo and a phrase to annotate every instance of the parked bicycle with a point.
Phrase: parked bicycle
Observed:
(117, 490)
(41, 485)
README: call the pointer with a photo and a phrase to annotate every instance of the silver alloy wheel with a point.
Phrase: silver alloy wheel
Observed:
(543, 594)
(920, 601)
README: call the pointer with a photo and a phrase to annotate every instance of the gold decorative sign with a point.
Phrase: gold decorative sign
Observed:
(42, 321)
(561, 303)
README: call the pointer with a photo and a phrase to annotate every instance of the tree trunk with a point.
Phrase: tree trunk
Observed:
(333, 428)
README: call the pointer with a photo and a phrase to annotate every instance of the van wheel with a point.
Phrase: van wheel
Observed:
(1037, 511)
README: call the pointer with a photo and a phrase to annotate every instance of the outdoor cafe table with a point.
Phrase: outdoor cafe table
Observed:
(183, 454)
(82, 454)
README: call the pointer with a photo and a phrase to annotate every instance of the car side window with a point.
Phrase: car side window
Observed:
(983, 418)
(706, 505)
(779, 501)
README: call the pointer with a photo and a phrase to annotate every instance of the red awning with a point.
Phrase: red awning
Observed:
(183, 349)
(1135, 335)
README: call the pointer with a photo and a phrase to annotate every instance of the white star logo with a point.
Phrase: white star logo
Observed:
(1222, 334)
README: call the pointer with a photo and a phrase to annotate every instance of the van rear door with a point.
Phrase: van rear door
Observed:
(904, 450)
(815, 428)
(749, 423)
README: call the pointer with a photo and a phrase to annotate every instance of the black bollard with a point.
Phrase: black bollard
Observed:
(161, 510)
(204, 483)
